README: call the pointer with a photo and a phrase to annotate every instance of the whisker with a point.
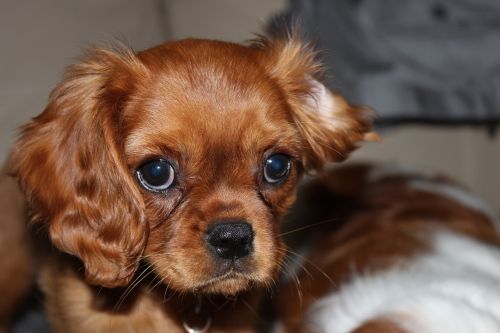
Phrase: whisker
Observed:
(249, 307)
(159, 265)
(222, 305)
(296, 281)
(147, 271)
(310, 226)
(313, 265)
(301, 267)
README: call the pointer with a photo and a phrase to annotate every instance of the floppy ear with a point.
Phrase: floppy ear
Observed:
(330, 127)
(69, 163)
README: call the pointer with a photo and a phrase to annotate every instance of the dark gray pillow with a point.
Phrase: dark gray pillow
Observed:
(412, 60)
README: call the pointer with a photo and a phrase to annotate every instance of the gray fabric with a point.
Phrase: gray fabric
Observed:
(32, 320)
(39, 38)
(410, 59)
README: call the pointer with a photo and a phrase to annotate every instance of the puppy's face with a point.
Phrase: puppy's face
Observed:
(186, 155)
(217, 157)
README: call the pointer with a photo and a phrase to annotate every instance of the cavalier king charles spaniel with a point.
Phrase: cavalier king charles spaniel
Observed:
(157, 183)
(161, 178)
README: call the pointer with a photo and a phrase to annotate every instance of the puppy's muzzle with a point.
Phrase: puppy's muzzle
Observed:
(230, 240)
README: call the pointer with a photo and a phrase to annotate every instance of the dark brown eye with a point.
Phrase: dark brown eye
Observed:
(277, 168)
(156, 175)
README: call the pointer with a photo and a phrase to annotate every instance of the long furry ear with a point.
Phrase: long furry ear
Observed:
(69, 163)
(330, 127)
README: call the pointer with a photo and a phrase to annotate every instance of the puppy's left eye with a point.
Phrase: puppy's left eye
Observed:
(156, 175)
(277, 168)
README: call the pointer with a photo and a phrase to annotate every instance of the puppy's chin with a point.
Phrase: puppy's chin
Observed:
(228, 284)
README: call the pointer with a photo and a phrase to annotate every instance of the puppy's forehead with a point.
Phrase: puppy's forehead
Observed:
(206, 69)
(202, 91)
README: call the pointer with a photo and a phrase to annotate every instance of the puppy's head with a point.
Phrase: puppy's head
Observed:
(186, 155)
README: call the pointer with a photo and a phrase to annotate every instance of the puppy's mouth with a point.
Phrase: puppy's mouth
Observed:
(228, 283)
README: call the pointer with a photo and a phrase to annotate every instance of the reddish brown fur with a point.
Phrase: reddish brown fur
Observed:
(16, 263)
(373, 225)
(214, 110)
(380, 325)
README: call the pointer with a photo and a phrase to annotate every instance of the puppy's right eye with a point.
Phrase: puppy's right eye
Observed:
(277, 168)
(156, 175)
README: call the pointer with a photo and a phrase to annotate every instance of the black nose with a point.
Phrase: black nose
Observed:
(230, 240)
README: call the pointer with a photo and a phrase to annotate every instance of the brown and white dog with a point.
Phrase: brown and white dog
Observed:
(161, 178)
(165, 175)
(392, 252)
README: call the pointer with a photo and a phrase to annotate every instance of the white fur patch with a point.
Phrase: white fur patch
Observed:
(456, 288)
(322, 100)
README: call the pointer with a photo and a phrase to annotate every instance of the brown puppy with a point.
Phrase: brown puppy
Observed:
(181, 161)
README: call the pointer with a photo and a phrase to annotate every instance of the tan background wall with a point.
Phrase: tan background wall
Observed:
(32, 60)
